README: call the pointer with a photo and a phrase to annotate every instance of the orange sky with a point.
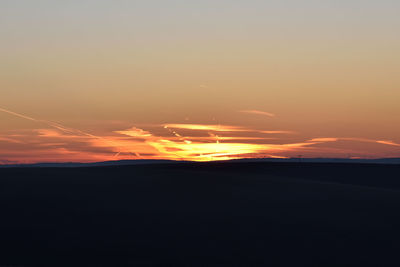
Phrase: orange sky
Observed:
(198, 80)
(49, 141)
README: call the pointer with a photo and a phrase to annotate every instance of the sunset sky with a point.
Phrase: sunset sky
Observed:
(94, 80)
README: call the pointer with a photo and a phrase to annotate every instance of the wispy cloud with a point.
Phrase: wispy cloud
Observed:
(354, 139)
(387, 142)
(277, 132)
(222, 128)
(258, 112)
(205, 127)
(10, 140)
(325, 139)
(135, 132)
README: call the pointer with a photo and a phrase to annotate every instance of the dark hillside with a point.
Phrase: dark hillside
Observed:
(201, 214)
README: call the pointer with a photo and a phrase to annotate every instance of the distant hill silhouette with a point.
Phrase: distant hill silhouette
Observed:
(93, 164)
(150, 161)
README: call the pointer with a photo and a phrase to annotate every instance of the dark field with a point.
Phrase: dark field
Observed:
(208, 214)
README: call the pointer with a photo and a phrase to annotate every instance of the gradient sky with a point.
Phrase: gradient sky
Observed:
(103, 80)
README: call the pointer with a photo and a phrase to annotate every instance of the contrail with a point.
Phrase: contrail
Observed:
(18, 115)
(59, 127)
(49, 123)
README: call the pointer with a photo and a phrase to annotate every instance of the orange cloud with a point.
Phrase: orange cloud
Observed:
(277, 132)
(335, 139)
(135, 132)
(390, 143)
(220, 128)
(329, 139)
(205, 127)
(10, 140)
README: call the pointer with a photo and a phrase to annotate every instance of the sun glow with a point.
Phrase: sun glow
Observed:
(209, 148)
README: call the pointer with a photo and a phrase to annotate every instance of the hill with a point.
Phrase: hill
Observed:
(201, 214)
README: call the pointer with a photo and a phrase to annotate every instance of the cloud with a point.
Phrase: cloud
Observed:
(387, 142)
(10, 140)
(366, 140)
(135, 132)
(205, 127)
(221, 128)
(328, 139)
(277, 132)
(258, 112)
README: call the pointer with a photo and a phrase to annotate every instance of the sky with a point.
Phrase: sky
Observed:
(93, 80)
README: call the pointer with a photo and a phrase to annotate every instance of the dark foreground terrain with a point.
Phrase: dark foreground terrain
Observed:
(208, 214)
